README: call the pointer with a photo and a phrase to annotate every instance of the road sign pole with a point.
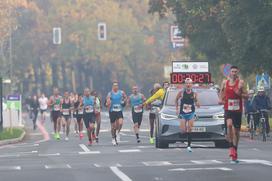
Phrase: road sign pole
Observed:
(1, 104)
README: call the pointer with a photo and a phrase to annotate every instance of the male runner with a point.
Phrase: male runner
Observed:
(115, 105)
(97, 110)
(89, 116)
(66, 106)
(186, 112)
(54, 103)
(233, 90)
(136, 100)
(43, 102)
(78, 109)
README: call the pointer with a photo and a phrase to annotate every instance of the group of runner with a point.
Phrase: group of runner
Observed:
(87, 109)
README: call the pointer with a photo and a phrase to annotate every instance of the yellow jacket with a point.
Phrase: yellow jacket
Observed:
(158, 95)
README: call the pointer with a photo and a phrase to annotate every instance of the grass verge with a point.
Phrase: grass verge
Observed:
(8, 133)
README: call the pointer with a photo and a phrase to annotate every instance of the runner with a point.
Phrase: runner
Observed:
(136, 101)
(78, 106)
(115, 104)
(43, 102)
(54, 103)
(66, 106)
(89, 116)
(186, 112)
(97, 110)
(73, 98)
(157, 95)
(34, 106)
(233, 90)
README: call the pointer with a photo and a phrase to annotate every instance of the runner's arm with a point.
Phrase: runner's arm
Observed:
(179, 96)
(158, 95)
(222, 92)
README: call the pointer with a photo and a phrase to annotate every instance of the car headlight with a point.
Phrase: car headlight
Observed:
(168, 116)
(219, 116)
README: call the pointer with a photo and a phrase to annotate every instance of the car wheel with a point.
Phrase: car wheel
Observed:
(221, 144)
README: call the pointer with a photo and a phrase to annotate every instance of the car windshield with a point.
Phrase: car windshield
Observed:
(206, 97)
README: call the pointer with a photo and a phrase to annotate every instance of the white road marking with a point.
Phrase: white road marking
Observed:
(90, 152)
(3, 168)
(97, 165)
(7, 156)
(254, 161)
(145, 147)
(84, 148)
(57, 166)
(118, 165)
(198, 169)
(120, 174)
(157, 163)
(203, 162)
(50, 154)
(129, 151)
(34, 151)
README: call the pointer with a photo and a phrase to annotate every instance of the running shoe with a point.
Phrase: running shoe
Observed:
(231, 152)
(57, 136)
(81, 136)
(96, 139)
(66, 139)
(138, 140)
(114, 142)
(151, 140)
(90, 143)
(189, 149)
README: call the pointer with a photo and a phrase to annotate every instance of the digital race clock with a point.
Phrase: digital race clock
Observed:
(200, 78)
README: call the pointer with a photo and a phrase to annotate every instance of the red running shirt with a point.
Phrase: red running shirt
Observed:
(233, 102)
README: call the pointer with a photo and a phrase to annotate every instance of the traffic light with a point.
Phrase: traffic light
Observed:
(57, 36)
(102, 31)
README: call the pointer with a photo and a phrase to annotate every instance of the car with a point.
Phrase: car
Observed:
(209, 121)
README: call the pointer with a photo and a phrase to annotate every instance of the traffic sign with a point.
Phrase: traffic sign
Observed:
(56, 35)
(263, 80)
(102, 31)
(175, 34)
(226, 70)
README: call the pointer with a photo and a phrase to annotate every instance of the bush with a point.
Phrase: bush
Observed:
(8, 133)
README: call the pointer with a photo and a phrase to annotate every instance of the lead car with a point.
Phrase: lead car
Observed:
(208, 126)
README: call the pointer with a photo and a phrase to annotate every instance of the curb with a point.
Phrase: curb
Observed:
(14, 140)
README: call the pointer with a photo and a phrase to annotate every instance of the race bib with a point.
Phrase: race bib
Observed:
(89, 109)
(80, 112)
(187, 108)
(233, 104)
(116, 107)
(138, 109)
(56, 107)
(65, 112)
(153, 110)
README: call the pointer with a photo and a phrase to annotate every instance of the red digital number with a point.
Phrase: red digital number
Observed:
(194, 78)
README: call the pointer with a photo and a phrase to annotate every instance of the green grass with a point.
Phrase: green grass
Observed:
(11, 133)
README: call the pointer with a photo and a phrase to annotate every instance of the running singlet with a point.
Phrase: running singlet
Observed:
(66, 105)
(136, 103)
(116, 101)
(187, 103)
(88, 103)
(97, 105)
(56, 105)
(233, 102)
(78, 108)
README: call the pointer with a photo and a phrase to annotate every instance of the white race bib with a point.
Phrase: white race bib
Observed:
(116, 107)
(89, 109)
(138, 109)
(233, 104)
(154, 109)
(56, 107)
(187, 108)
(65, 112)
(80, 112)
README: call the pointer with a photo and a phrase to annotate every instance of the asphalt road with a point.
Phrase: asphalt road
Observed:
(36, 159)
